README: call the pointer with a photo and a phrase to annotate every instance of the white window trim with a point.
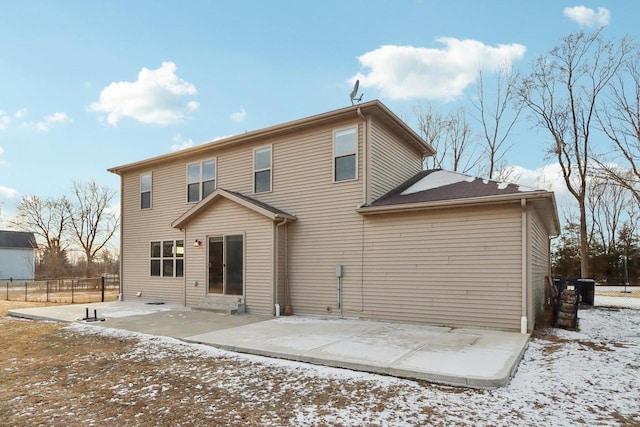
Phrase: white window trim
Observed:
(150, 192)
(215, 178)
(333, 155)
(270, 168)
(224, 254)
(161, 258)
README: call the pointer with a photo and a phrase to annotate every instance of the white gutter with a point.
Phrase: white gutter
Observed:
(477, 201)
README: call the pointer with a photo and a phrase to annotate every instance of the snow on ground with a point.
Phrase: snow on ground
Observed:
(589, 377)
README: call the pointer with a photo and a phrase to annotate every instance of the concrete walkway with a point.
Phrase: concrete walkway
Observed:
(467, 357)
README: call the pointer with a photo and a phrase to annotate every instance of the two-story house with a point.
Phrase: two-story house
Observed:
(333, 215)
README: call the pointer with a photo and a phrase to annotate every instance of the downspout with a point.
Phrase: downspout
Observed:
(184, 265)
(121, 286)
(275, 287)
(365, 157)
(366, 124)
(523, 238)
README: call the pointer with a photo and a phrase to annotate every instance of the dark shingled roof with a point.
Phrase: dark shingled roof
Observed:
(438, 185)
(17, 239)
(263, 205)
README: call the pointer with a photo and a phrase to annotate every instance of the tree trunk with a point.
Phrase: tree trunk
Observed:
(584, 244)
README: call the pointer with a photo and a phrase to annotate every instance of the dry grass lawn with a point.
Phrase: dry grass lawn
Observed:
(53, 374)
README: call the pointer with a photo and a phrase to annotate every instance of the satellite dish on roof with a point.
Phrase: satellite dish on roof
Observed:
(354, 93)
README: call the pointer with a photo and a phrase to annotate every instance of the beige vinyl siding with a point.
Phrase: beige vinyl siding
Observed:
(141, 226)
(326, 233)
(392, 161)
(458, 267)
(226, 218)
(538, 262)
(328, 229)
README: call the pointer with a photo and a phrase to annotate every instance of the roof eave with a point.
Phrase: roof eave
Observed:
(351, 112)
(484, 200)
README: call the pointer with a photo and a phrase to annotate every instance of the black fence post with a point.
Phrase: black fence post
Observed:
(25, 291)
(72, 291)
(102, 300)
(7, 291)
(47, 282)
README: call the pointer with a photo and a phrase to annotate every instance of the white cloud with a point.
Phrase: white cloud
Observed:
(21, 113)
(588, 17)
(156, 97)
(548, 178)
(239, 116)
(408, 72)
(8, 193)
(5, 120)
(48, 122)
(180, 144)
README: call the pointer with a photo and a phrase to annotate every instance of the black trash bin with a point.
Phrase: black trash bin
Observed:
(586, 290)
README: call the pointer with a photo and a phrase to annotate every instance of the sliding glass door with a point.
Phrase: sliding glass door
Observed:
(226, 265)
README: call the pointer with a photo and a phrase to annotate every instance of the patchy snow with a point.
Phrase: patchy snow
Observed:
(588, 377)
(524, 188)
(441, 178)
(437, 179)
(621, 301)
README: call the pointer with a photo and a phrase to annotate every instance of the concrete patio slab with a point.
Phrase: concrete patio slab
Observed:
(473, 358)
(461, 357)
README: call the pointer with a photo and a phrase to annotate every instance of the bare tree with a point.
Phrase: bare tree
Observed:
(49, 220)
(450, 135)
(432, 126)
(606, 204)
(92, 222)
(562, 93)
(493, 115)
(458, 138)
(620, 121)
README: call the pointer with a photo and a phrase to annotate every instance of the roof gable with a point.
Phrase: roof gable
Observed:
(17, 239)
(262, 208)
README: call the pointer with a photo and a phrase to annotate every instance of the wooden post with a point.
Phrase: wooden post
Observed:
(102, 300)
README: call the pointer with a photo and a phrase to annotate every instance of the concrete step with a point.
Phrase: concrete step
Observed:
(221, 304)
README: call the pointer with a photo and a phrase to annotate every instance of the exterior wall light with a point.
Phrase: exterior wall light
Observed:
(197, 243)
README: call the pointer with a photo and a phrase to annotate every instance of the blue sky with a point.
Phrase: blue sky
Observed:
(88, 85)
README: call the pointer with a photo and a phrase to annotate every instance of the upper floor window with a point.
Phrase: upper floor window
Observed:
(345, 147)
(201, 180)
(145, 190)
(262, 169)
(167, 258)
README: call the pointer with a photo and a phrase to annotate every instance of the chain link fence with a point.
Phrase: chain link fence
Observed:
(97, 289)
